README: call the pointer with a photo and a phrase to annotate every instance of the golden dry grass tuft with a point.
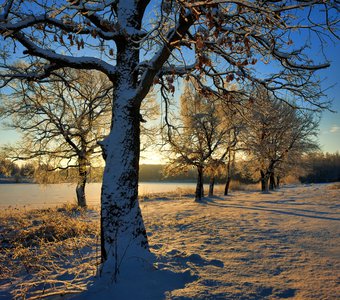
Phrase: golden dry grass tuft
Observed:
(53, 251)
(291, 179)
(334, 186)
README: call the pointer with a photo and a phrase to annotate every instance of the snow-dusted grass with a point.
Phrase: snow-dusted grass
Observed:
(247, 245)
(46, 252)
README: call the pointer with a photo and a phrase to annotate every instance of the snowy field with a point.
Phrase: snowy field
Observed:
(249, 245)
(285, 244)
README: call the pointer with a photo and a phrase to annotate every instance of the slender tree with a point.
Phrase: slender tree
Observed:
(234, 116)
(198, 136)
(222, 162)
(140, 43)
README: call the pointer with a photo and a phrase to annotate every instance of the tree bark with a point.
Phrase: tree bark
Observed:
(263, 185)
(228, 179)
(272, 184)
(211, 185)
(227, 185)
(82, 179)
(264, 182)
(278, 182)
(199, 186)
(122, 228)
(123, 235)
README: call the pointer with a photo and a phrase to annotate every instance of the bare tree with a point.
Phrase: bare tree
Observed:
(215, 168)
(198, 137)
(234, 116)
(276, 134)
(7, 167)
(215, 39)
(223, 163)
(230, 166)
(62, 120)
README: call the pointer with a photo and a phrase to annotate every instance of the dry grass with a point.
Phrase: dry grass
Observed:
(53, 251)
(291, 179)
(176, 194)
(335, 186)
(236, 185)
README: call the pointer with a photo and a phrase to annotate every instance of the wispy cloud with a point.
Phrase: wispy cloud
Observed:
(334, 129)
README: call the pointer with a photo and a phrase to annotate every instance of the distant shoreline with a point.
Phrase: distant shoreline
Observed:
(26, 181)
(14, 181)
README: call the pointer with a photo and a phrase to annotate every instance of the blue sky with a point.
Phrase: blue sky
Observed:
(329, 137)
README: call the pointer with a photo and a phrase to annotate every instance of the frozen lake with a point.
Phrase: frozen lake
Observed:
(35, 195)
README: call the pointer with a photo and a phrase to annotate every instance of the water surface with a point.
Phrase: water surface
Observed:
(35, 195)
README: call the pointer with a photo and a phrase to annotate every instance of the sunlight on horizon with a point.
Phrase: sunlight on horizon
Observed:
(152, 157)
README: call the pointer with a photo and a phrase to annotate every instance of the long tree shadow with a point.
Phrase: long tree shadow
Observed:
(207, 201)
(149, 282)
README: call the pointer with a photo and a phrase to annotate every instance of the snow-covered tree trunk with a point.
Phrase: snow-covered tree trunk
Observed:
(82, 179)
(123, 235)
(199, 186)
(122, 228)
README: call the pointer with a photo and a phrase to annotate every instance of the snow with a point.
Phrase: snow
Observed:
(248, 245)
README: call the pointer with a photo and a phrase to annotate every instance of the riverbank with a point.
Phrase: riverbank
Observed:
(245, 246)
(12, 180)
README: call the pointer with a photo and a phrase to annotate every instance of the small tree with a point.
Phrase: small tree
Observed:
(8, 168)
(233, 114)
(276, 134)
(61, 119)
(230, 166)
(222, 162)
(198, 136)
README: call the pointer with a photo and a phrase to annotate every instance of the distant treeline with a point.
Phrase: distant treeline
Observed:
(316, 167)
(12, 172)
(321, 167)
(29, 172)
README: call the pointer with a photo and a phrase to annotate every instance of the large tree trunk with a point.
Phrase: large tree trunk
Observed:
(82, 178)
(199, 186)
(123, 234)
(211, 185)
(124, 242)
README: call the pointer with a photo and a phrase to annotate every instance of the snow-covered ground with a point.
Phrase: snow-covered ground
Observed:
(249, 245)
(253, 245)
